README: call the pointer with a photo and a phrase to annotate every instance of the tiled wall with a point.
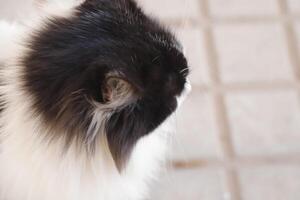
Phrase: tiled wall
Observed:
(239, 132)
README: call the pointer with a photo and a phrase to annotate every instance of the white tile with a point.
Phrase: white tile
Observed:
(15, 9)
(193, 44)
(171, 9)
(190, 185)
(230, 8)
(252, 52)
(294, 6)
(197, 132)
(265, 123)
(275, 182)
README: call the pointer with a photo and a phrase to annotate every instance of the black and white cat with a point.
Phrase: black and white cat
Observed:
(88, 94)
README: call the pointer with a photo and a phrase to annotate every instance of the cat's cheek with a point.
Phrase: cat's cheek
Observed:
(184, 94)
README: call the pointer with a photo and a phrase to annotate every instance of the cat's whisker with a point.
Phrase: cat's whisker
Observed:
(156, 58)
(77, 92)
(184, 71)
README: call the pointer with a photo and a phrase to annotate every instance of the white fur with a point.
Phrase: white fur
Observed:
(32, 170)
(9, 32)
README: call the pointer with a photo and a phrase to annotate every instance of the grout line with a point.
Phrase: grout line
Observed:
(216, 82)
(191, 22)
(220, 107)
(291, 39)
(248, 86)
(251, 19)
(245, 161)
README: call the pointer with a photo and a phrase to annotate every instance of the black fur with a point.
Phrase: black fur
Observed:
(69, 59)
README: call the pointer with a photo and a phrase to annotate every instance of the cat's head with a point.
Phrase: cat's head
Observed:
(107, 69)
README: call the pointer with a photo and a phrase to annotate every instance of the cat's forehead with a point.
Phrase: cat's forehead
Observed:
(127, 18)
(167, 41)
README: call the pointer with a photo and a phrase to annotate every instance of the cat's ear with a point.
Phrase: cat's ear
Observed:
(124, 126)
(118, 92)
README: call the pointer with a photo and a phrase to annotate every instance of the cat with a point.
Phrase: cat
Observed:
(88, 95)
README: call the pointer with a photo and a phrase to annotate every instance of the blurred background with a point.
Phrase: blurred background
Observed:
(238, 133)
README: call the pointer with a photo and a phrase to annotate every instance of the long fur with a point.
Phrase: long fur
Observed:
(65, 135)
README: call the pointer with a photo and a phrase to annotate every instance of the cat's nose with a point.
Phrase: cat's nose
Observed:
(187, 89)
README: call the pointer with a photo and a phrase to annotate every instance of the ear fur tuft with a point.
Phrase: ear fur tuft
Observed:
(121, 128)
(117, 91)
